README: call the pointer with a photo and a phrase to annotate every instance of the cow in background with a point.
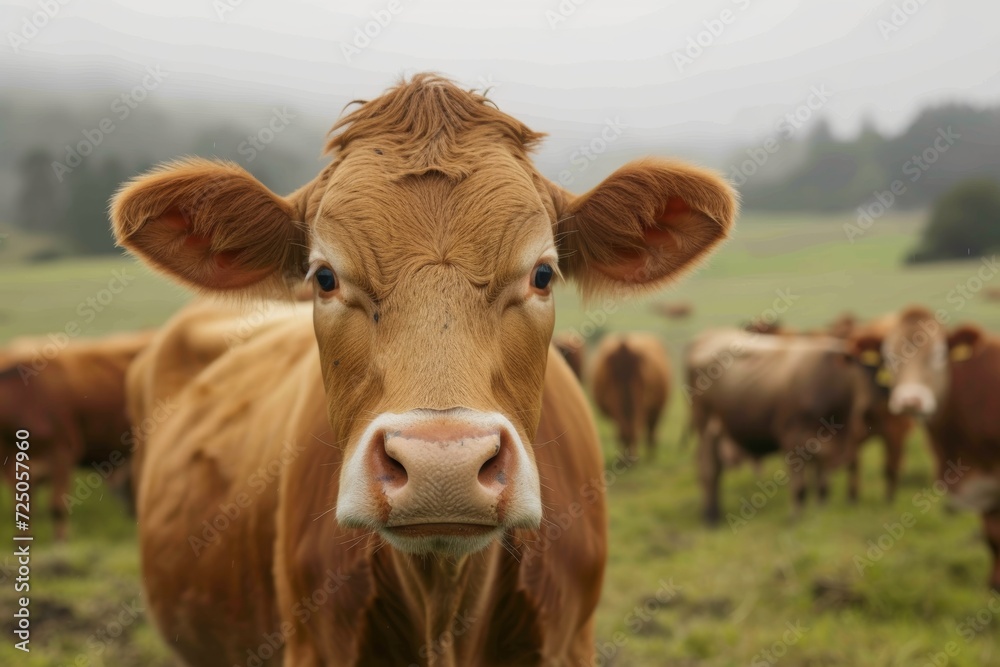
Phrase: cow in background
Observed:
(72, 404)
(881, 422)
(802, 397)
(630, 384)
(673, 310)
(951, 380)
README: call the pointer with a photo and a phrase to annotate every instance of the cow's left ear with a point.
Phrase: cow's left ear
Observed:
(645, 224)
(962, 341)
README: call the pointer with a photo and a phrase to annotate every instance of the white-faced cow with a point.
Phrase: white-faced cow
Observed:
(952, 381)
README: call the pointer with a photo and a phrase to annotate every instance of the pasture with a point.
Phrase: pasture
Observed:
(771, 590)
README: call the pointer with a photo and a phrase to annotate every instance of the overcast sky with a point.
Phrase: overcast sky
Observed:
(550, 62)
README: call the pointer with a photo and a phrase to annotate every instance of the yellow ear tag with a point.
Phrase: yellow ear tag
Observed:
(961, 352)
(870, 358)
(884, 377)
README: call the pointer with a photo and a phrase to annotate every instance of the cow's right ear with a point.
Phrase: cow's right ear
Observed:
(211, 225)
(962, 341)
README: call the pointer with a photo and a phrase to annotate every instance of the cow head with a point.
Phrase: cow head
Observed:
(432, 245)
(909, 352)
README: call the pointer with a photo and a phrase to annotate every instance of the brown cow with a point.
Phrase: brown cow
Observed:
(72, 403)
(892, 428)
(801, 396)
(631, 386)
(953, 382)
(375, 499)
(677, 310)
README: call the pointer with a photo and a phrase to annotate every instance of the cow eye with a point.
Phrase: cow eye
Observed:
(543, 276)
(326, 279)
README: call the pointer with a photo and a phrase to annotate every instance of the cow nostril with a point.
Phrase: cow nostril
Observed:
(388, 470)
(495, 471)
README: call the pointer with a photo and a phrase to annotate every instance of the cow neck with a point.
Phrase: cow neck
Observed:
(444, 594)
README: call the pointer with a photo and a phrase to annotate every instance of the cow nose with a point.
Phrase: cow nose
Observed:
(443, 471)
(440, 481)
(913, 399)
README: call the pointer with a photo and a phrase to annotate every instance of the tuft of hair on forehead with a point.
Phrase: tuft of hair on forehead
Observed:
(431, 124)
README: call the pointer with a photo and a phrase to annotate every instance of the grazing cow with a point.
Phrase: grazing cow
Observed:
(952, 381)
(360, 487)
(803, 396)
(73, 406)
(631, 386)
(571, 347)
(677, 310)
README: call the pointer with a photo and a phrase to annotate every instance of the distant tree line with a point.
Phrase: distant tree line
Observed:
(942, 147)
(62, 163)
(75, 209)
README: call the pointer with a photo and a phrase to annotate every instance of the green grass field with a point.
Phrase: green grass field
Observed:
(773, 591)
